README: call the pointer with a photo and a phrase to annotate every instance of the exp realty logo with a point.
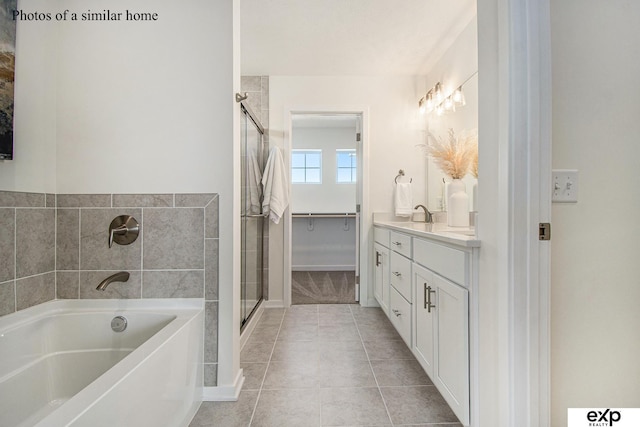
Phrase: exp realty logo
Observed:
(603, 417)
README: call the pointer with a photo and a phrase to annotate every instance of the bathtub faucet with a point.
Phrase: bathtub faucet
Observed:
(122, 276)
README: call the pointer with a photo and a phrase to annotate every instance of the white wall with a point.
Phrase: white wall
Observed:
(135, 109)
(456, 66)
(33, 168)
(595, 271)
(330, 196)
(394, 132)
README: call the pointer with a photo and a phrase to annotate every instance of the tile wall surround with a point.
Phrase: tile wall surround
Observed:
(257, 87)
(55, 247)
(27, 250)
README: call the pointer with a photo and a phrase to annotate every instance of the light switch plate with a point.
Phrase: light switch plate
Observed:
(564, 186)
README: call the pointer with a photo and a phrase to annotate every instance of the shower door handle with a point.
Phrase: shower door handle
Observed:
(255, 216)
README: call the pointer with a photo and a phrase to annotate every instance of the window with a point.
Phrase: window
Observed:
(346, 166)
(306, 166)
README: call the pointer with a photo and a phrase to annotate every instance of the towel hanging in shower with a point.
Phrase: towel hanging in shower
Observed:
(276, 188)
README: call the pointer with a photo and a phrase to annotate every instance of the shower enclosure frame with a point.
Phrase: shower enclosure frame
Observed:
(251, 214)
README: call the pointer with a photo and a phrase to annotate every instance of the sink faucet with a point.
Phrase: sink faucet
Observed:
(428, 216)
(122, 276)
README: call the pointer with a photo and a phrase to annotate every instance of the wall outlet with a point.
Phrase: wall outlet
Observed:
(564, 186)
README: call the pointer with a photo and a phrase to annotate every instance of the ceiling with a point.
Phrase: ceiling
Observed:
(348, 37)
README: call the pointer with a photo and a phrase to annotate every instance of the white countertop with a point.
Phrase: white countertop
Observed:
(460, 236)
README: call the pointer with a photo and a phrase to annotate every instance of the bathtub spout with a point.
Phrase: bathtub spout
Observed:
(122, 276)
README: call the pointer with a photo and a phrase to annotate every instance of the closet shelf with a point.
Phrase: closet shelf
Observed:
(323, 215)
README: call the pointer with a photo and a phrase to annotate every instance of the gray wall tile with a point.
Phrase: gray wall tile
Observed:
(250, 83)
(211, 332)
(210, 374)
(173, 284)
(211, 214)
(211, 269)
(195, 200)
(13, 199)
(143, 200)
(7, 297)
(35, 290)
(116, 290)
(68, 239)
(7, 244)
(95, 253)
(35, 241)
(84, 200)
(68, 284)
(50, 200)
(174, 238)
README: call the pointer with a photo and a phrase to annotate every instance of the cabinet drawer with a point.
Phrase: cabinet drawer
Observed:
(381, 235)
(400, 315)
(448, 262)
(400, 243)
(400, 274)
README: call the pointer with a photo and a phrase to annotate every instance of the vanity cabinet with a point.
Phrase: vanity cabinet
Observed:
(425, 285)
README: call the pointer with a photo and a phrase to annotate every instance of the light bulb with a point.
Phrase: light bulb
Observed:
(438, 92)
(421, 105)
(439, 110)
(448, 105)
(458, 96)
(429, 102)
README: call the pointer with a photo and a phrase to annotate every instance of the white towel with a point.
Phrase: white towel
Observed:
(255, 177)
(276, 188)
(404, 199)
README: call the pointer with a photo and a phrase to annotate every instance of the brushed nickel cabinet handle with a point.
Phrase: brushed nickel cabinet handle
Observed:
(428, 304)
(397, 274)
(377, 258)
(397, 312)
(397, 243)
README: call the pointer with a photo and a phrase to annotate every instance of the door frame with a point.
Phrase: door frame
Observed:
(365, 216)
(514, 40)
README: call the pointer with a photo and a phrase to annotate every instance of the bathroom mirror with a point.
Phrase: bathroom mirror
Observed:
(464, 119)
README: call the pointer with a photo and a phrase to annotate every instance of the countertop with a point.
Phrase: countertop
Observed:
(459, 236)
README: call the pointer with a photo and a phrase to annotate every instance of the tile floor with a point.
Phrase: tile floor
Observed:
(329, 365)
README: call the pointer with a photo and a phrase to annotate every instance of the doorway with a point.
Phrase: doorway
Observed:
(326, 178)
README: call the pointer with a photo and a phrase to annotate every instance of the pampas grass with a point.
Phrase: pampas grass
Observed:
(454, 156)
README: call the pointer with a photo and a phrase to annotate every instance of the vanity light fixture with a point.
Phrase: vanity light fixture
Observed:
(449, 105)
(435, 99)
(421, 105)
(458, 97)
(437, 91)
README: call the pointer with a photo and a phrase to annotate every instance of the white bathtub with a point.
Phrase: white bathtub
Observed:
(61, 363)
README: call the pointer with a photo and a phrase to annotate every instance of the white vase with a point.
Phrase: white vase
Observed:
(458, 213)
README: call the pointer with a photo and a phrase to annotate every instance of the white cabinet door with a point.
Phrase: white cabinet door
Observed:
(441, 336)
(381, 278)
(452, 345)
(425, 317)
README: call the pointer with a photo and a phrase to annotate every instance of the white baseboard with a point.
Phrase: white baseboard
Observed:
(224, 393)
(273, 303)
(323, 268)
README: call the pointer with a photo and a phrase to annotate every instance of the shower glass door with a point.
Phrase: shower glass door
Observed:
(252, 163)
